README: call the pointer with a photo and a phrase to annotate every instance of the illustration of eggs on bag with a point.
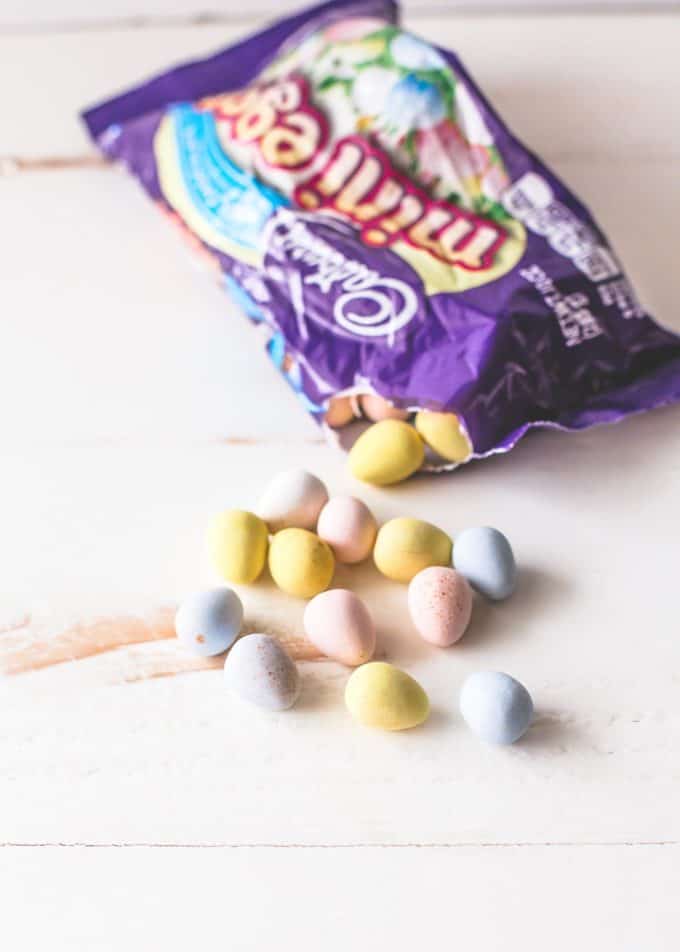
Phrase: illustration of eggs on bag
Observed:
(229, 161)
(428, 287)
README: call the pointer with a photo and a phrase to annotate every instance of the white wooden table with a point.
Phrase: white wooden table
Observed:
(143, 812)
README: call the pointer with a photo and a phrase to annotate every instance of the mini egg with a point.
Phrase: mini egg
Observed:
(496, 707)
(379, 695)
(259, 670)
(340, 626)
(209, 622)
(444, 434)
(485, 557)
(404, 547)
(386, 453)
(440, 603)
(293, 499)
(238, 542)
(340, 412)
(348, 526)
(300, 562)
(377, 408)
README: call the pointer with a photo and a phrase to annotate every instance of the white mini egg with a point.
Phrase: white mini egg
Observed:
(292, 500)
(260, 671)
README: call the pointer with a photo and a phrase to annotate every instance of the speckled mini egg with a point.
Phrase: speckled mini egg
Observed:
(300, 562)
(440, 603)
(379, 695)
(259, 670)
(340, 626)
(386, 453)
(496, 707)
(348, 526)
(377, 408)
(444, 434)
(405, 547)
(485, 557)
(238, 542)
(209, 622)
(293, 499)
(340, 412)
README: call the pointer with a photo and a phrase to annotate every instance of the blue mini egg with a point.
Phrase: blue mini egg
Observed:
(496, 707)
(484, 556)
(209, 622)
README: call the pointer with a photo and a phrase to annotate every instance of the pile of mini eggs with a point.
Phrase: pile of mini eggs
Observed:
(396, 444)
(301, 533)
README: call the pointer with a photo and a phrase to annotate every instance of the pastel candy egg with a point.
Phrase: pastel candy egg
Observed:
(405, 547)
(300, 562)
(260, 671)
(386, 453)
(440, 603)
(238, 542)
(443, 433)
(484, 556)
(340, 412)
(294, 498)
(496, 707)
(376, 408)
(340, 626)
(209, 622)
(348, 526)
(380, 695)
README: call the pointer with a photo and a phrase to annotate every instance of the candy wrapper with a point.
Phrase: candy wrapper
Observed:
(366, 205)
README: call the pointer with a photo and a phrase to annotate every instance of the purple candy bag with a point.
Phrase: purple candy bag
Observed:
(363, 200)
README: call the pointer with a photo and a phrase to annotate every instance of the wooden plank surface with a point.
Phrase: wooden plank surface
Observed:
(574, 111)
(616, 898)
(41, 14)
(135, 402)
(112, 531)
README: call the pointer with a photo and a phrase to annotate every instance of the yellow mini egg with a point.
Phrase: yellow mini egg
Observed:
(386, 452)
(238, 545)
(444, 434)
(380, 695)
(405, 547)
(300, 562)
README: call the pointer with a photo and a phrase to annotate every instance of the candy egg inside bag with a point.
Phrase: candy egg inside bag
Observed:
(368, 208)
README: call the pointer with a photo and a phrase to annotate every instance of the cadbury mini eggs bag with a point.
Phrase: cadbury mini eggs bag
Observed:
(365, 203)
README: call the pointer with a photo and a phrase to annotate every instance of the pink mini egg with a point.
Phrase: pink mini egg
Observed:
(440, 603)
(348, 526)
(340, 412)
(375, 408)
(340, 626)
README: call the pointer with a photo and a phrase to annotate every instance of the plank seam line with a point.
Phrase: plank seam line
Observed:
(554, 844)
(11, 165)
(435, 11)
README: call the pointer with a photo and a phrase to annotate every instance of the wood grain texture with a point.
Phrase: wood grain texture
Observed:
(135, 403)
(483, 899)
(112, 526)
(37, 645)
(570, 110)
(40, 14)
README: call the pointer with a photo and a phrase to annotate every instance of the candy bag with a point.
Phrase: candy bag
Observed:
(366, 204)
